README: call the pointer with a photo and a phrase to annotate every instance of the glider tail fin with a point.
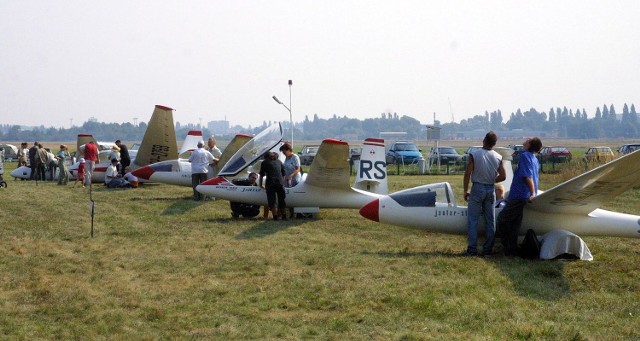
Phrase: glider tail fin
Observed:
(191, 141)
(159, 141)
(371, 171)
(81, 140)
(507, 157)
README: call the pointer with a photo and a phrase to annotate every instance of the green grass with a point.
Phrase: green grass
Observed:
(161, 266)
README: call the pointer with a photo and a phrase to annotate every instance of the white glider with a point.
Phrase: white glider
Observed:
(571, 206)
(178, 172)
(158, 144)
(326, 185)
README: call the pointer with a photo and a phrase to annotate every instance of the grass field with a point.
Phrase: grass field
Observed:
(161, 266)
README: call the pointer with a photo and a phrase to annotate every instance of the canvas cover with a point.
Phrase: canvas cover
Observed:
(563, 244)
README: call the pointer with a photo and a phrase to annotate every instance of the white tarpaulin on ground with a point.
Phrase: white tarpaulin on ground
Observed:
(563, 244)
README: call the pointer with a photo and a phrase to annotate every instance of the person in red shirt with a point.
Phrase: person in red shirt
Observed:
(91, 158)
(80, 175)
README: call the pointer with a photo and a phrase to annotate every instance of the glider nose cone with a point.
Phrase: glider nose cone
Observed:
(371, 210)
(20, 172)
(143, 172)
(216, 181)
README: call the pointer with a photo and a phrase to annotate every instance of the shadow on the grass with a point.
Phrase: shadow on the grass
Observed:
(539, 279)
(266, 228)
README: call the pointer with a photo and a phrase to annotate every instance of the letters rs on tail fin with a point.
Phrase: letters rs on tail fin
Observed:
(159, 141)
(371, 173)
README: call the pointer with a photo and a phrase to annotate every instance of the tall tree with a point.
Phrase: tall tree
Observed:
(633, 115)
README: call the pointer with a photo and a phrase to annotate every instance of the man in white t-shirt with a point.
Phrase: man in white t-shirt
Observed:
(111, 172)
(200, 160)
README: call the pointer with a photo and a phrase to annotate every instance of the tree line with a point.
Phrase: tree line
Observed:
(557, 122)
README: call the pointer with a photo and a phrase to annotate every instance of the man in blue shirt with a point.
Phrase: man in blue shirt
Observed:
(524, 188)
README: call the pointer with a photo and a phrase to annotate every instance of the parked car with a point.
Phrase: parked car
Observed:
(554, 154)
(445, 154)
(465, 156)
(403, 152)
(629, 148)
(307, 153)
(598, 154)
(517, 149)
(354, 153)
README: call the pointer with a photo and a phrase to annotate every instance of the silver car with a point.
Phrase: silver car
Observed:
(307, 154)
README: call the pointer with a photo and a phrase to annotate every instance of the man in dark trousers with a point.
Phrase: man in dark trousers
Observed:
(125, 159)
(246, 210)
(33, 151)
(524, 187)
(273, 169)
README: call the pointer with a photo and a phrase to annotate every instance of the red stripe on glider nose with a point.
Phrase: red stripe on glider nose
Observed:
(371, 210)
(143, 172)
(217, 181)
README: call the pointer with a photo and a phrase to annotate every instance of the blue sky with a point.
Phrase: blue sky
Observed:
(216, 60)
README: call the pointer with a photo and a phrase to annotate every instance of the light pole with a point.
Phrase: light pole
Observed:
(289, 109)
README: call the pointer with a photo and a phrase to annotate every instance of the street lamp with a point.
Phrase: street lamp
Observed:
(289, 109)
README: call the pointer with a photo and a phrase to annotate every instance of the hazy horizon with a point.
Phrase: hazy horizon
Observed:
(213, 60)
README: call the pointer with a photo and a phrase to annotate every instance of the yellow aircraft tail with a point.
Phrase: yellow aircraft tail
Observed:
(159, 141)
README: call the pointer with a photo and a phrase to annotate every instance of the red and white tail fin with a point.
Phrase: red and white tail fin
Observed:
(191, 141)
(371, 171)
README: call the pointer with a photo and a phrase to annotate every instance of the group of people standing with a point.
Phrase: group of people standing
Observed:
(484, 170)
(274, 176)
(40, 161)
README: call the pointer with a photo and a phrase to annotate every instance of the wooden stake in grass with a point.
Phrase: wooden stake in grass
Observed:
(92, 205)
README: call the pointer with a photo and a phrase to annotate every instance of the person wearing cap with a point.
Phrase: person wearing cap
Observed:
(200, 160)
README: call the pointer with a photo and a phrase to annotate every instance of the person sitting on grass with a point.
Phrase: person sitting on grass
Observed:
(113, 179)
(246, 210)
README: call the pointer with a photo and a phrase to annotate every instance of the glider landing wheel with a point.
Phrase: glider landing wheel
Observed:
(3, 184)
